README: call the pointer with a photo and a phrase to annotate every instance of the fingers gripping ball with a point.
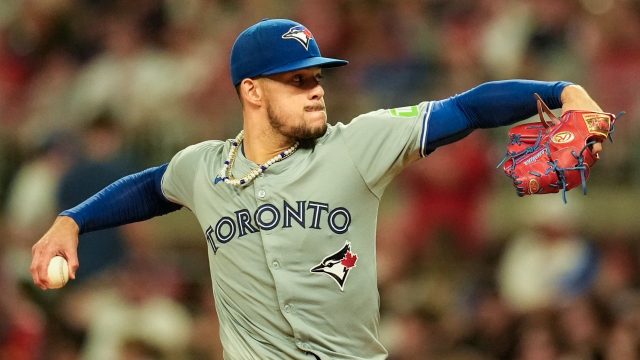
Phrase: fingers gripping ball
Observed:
(58, 272)
(554, 154)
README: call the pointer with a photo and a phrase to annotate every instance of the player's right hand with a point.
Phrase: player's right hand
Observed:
(61, 239)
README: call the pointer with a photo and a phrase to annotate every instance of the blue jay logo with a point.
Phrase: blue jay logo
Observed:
(338, 265)
(300, 34)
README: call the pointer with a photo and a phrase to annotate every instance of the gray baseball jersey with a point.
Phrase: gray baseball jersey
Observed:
(292, 255)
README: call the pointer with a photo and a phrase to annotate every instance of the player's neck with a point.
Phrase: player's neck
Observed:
(261, 145)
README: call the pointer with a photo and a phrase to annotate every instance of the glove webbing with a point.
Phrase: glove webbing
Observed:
(580, 166)
(517, 154)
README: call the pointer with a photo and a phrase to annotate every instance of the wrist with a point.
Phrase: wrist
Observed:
(575, 97)
(68, 223)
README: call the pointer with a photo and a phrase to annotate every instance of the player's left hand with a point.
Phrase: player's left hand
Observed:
(575, 97)
(557, 154)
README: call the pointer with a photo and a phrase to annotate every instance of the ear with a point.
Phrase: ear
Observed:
(251, 91)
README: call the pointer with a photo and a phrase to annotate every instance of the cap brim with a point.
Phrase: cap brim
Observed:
(319, 61)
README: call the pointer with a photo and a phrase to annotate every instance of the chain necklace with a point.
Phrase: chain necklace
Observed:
(225, 172)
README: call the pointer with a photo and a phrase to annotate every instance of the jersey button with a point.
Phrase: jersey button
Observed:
(262, 194)
(288, 308)
(275, 264)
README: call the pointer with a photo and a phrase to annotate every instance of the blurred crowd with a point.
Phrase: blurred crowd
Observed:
(91, 90)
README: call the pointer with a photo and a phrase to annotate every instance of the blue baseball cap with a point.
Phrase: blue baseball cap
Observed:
(274, 46)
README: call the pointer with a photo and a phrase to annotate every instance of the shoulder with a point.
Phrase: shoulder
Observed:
(208, 147)
(375, 114)
(339, 127)
(206, 150)
(390, 114)
(382, 119)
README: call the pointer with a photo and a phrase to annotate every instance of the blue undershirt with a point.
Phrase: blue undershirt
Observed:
(135, 197)
(489, 105)
(139, 196)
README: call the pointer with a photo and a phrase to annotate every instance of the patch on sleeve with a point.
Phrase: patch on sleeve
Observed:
(405, 112)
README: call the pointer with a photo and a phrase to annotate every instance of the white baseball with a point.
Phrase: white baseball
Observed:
(58, 272)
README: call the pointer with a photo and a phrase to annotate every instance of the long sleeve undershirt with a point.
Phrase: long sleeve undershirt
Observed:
(135, 197)
(489, 105)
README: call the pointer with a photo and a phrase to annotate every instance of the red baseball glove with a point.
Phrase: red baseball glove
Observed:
(554, 154)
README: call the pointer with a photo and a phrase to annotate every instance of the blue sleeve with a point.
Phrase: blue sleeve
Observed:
(132, 198)
(489, 105)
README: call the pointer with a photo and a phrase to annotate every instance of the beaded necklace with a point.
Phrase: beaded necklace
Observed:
(225, 172)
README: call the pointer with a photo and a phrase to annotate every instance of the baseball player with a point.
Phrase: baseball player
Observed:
(289, 207)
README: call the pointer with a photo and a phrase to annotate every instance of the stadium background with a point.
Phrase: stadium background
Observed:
(91, 90)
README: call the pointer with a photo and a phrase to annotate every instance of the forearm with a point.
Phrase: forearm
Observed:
(489, 105)
(133, 198)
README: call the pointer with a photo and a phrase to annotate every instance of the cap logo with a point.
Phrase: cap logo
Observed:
(300, 34)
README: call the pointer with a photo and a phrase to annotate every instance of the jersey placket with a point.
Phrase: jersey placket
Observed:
(277, 265)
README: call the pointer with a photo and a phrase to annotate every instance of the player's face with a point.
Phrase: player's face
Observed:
(294, 102)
